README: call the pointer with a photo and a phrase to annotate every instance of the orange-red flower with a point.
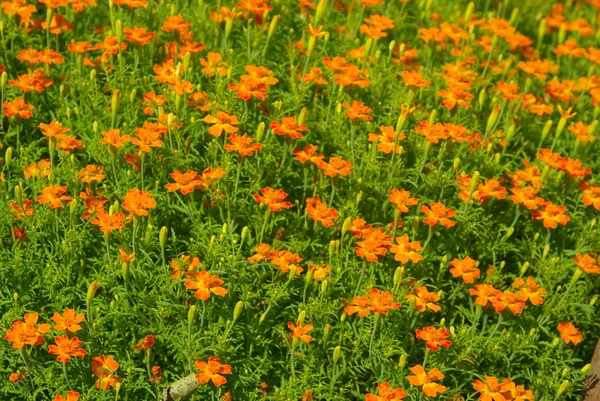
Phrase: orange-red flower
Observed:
(213, 65)
(53, 130)
(114, 139)
(288, 126)
(71, 396)
(434, 337)
(405, 249)
(91, 173)
(551, 214)
(424, 299)
(358, 111)
(54, 195)
(587, 263)
(212, 371)
(319, 211)
(438, 213)
(21, 211)
(427, 380)
(184, 266)
(414, 79)
(386, 393)
(335, 166)
(148, 136)
(485, 293)
(27, 331)
(402, 199)
(68, 320)
(387, 141)
(19, 108)
(376, 301)
(146, 343)
(204, 284)
(465, 268)
(569, 333)
(139, 36)
(242, 144)
(530, 290)
(39, 169)
(176, 23)
(105, 368)
(513, 301)
(222, 122)
(109, 222)
(249, 87)
(273, 198)
(66, 348)
(300, 332)
(374, 243)
(137, 202)
(185, 182)
(491, 390)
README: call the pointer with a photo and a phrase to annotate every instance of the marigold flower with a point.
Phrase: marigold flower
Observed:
(491, 390)
(319, 272)
(424, 299)
(308, 154)
(137, 202)
(273, 198)
(250, 87)
(530, 290)
(434, 337)
(146, 343)
(18, 107)
(582, 132)
(109, 222)
(318, 211)
(402, 199)
(184, 266)
(27, 332)
(358, 111)
(386, 393)
(288, 126)
(513, 301)
(38, 169)
(176, 23)
(485, 293)
(68, 320)
(185, 182)
(53, 130)
(222, 122)
(54, 195)
(148, 136)
(286, 260)
(551, 215)
(404, 250)
(569, 333)
(242, 145)
(71, 396)
(91, 173)
(376, 301)
(426, 380)
(114, 139)
(373, 244)
(432, 132)
(590, 195)
(212, 371)
(335, 166)
(21, 211)
(139, 36)
(105, 368)
(34, 81)
(20, 8)
(66, 348)
(588, 263)
(301, 332)
(465, 268)
(526, 197)
(204, 284)
(414, 79)
(438, 213)
(387, 140)
(263, 252)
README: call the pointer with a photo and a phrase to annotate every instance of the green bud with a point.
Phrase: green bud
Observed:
(398, 275)
(19, 194)
(337, 352)
(326, 331)
(224, 228)
(586, 368)
(576, 275)
(245, 231)
(3, 80)
(8, 156)
(565, 384)
(319, 12)
(302, 116)
(301, 317)
(133, 94)
(469, 12)
(162, 236)
(273, 25)
(509, 232)
(119, 31)
(324, 285)
(260, 131)
(91, 292)
(474, 182)
(192, 314)
(237, 311)
(346, 225)
(524, 268)
(402, 361)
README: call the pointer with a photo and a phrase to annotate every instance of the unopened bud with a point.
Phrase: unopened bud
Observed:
(337, 352)
(8, 156)
(346, 225)
(563, 386)
(91, 292)
(192, 314)
(237, 311)
(260, 131)
(164, 231)
(398, 275)
(402, 361)
(576, 275)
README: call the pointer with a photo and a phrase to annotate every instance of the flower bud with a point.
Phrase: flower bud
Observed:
(273, 25)
(237, 311)
(260, 131)
(432, 116)
(541, 30)
(524, 268)
(114, 103)
(531, 332)
(360, 194)
(326, 331)
(555, 342)
(491, 122)
(228, 27)
(262, 317)
(474, 182)
(224, 228)
(337, 352)
(164, 231)
(593, 300)
(19, 194)
(343, 317)
(292, 272)
(93, 75)
(119, 31)
(8, 156)
(91, 292)
(565, 384)
(331, 248)
(192, 314)
(456, 164)
(346, 225)
(319, 12)
(546, 129)
(452, 330)
(95, 127)
(308, 278)
(302, 116)
(415, 223)
(324, 285)
(402, 361)
(586, 368)
(398, 275)
(576, 275)
(73, 207)
(212, 241)
(3, 80)
(546, 250)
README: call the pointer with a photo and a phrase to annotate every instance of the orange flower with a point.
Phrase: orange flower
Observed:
(242, 145)
(68, 143)
(109, 222)
(551, 215)
(213, 65)
(376, 301)
(91, 173)
(137, 201)
(176, 23)
(250, 87)
(402, 199)
(587, 263)
(185, 265)
(286, 260)
(54, 195)
(20, 8)
(288, 126)
(39, 169)
(526, 197)
(68, 320)
(387, 140)
(213, 371)
(530, 290)
(53, 130)
(35, 81)
(438, 214)
(186, 183)
(26, 332)
(386, 393)
(491, 390)
(300, 332)
(374, 244)
(263, 252)
(146, 343)
(335, 166)
(432, 132)
(308, 154)
(18, 108)
(21, 211)
(205, 283)
(485, 293)
(318, 211)
(126, 257)
(148, 136)
(404, 250)
(104, 368)
(352, 77)
(358, 111)
(581, 130)
(434, 337)
(414, 79)
(515, 302)
(139, 36)
(315, 75)
(424, 299)
(319, 272)
(466, 269)
(455, 96)
(426, 380)
(273, 198)
(551, 159)
(66, 348)
(114, 139)
(569, 333)
(71, 396)
(222, 122)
